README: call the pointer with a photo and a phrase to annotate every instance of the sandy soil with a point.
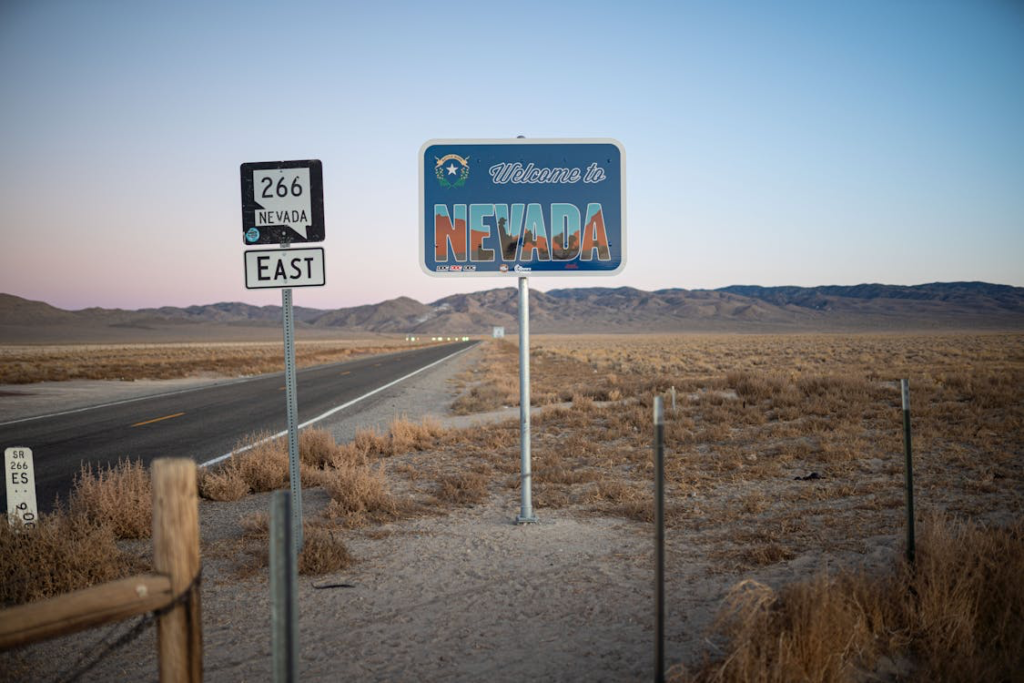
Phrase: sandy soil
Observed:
(468, 596)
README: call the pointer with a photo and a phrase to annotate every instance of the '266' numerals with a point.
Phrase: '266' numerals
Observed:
(280, 189)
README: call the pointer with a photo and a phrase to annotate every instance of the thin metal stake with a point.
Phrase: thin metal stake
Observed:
(284, 594)
(526, 515)
(659, 542)
(908, 469)
(293, 417)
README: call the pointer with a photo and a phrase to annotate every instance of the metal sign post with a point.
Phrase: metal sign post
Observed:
(291, 399)
(526, 515)
(284, 592)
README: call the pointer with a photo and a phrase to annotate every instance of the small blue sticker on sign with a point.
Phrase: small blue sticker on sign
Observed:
(252, 235)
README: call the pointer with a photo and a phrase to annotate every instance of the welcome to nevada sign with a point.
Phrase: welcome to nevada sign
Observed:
(522, 207)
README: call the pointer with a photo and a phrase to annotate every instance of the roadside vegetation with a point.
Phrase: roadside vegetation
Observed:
(777, 446)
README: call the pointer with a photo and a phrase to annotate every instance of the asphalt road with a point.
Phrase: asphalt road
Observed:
(202, 423)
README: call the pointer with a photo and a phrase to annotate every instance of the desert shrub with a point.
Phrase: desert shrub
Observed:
(966, 620)
(370, 442)
(120, 497)
(462, 488)
(408, 436)
(222, 484)
(582, 401)
(264, 467)
(403, 436)
(348, 455)
(323, 551)
(756, 386)
(358, 490)
(497, 392)
(954, 616)
(64, 553)
(316, 447)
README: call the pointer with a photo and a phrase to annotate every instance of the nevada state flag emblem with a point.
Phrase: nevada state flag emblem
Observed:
(452, 170)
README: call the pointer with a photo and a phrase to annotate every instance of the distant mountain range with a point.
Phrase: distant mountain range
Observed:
(739, 308)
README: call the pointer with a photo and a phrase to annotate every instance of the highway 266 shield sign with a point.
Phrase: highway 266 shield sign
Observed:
(522, 207)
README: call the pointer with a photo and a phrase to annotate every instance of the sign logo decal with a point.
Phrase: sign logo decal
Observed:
(252, 235)
(452, 171)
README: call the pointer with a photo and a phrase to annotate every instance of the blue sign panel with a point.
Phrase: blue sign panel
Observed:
(522, 207)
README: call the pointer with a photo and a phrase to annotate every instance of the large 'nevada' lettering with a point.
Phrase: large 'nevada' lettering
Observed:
(521, 231)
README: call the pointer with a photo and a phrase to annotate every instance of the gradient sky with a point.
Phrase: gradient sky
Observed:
(794, 143)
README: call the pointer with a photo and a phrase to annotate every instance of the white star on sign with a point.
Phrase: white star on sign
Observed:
(452, 169)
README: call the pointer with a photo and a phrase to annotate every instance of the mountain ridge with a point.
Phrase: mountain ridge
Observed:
(737, 308)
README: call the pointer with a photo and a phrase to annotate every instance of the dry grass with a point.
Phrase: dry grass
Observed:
(462, 488)
(323, 552)
(359, 493)
(754, 412)
(492, 386)
(323, 548)
(27, 364)
(65, 552)
(119, 497)
(955, 617)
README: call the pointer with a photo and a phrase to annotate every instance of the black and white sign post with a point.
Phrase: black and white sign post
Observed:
(21, 487)
(283, 204)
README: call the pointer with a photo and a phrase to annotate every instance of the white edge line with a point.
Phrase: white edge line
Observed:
(334, 410)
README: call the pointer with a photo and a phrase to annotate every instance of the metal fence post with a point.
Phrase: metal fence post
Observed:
(908, 460)
(284, 599)
(659, 542)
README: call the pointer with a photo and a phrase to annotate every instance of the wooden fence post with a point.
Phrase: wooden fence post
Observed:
(176, 555)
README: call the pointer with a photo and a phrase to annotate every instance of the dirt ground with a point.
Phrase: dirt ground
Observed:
(469, 595)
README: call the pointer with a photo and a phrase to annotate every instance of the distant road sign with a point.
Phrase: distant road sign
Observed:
(281, 268)
(282, 202)
(518, 206)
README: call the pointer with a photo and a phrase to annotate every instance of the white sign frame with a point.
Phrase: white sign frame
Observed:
(285, 268)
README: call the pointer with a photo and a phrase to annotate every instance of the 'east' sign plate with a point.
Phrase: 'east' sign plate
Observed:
(282, 202)
(517, 207)
(280, 268)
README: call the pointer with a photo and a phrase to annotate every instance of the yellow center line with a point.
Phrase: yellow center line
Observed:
(159, 419)
(347, 372)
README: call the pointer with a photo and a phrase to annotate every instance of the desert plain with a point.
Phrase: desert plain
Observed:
(784, 510)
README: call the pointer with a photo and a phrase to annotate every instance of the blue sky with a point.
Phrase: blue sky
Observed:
(766, 143)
